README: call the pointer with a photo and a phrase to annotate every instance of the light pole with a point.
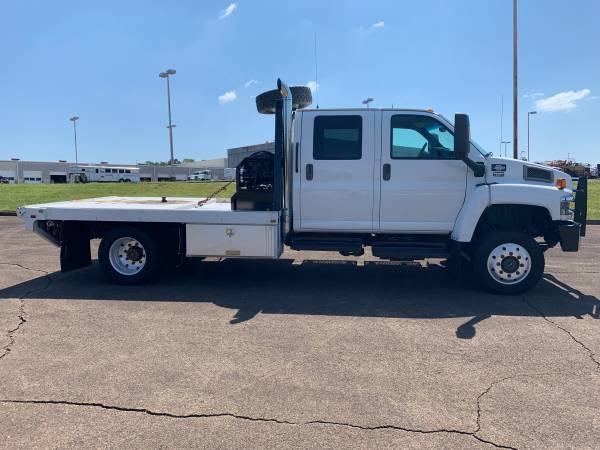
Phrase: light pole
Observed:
(505, 148)
(16, 160)
(529, 114)
(75, 119)
(367, 101)
(166, 74)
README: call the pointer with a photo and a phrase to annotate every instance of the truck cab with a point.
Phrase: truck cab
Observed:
(397, 171)
(200, 175)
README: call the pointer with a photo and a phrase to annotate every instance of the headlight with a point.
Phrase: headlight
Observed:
(565, 203)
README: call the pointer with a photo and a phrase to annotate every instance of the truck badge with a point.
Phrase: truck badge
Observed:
(498, 170)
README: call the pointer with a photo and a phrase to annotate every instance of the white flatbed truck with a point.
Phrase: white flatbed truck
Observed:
(407, 183)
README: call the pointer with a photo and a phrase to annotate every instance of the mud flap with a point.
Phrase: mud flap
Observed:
(74, 246)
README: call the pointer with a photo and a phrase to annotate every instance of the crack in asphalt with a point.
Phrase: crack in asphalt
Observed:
(22, 313)
(256, 419)
(591, 354)
(484, 393)
(11, 333)
(24, 267)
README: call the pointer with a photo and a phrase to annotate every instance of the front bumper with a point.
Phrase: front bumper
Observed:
(569, 233)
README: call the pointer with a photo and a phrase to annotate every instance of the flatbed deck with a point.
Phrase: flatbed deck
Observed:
(146, 209)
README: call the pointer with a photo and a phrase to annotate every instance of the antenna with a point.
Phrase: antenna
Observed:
(501, 120)
(316, 66)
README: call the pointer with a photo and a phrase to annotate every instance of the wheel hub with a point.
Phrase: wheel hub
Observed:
(509, 263)
(134, 253)
(127, 256)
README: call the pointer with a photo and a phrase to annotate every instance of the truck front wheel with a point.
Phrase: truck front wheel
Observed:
(128, 256)
(508, 262)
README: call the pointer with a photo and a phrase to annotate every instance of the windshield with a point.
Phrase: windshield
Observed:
(480, 149)
(473, 143)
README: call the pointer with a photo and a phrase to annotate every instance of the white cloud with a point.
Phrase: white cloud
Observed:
(229, 10)
(563, 101)
(534, 95)
(227, 97)
(379, 24)
(312, 85)
(250, 83)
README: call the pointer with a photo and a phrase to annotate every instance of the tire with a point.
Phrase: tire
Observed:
(266, 102)
(508, 262)
(122, 265)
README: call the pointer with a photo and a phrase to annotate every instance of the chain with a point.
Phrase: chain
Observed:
(214, 194)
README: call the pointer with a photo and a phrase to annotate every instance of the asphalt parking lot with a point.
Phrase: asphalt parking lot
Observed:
(312, 351)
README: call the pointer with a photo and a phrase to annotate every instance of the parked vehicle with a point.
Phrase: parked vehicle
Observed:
(200, 175)
(95, 174)
(4, 180)
(407, 183)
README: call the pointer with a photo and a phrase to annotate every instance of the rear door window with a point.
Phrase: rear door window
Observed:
(337, 137)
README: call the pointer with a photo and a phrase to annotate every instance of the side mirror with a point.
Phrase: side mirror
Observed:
(462, 135)
(462, 143)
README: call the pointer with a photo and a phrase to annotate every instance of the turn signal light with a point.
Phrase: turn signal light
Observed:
(561, 183)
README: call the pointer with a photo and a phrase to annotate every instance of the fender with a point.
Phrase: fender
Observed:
(476, 203)
(548, 197)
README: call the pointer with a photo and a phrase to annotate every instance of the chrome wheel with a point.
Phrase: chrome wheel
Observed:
(127, 256)
(509, 263)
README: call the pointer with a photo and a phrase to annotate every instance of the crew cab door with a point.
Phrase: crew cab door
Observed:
(336, 165)
(422, 182)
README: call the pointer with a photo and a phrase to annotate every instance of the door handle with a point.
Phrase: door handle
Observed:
(309, 171)
(387, 172)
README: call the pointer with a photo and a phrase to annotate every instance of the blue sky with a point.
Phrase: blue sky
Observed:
(100, 61)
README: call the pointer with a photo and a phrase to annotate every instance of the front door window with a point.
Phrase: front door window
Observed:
(416, 137)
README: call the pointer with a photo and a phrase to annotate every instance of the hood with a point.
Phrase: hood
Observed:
(509, 171)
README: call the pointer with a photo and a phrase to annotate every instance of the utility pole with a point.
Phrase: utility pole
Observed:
(166, 75)
(75, 119)
(515, 85)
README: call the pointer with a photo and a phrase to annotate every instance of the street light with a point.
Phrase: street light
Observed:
(166, 74)
(75, 119)
(367, 101)
(529, 114)
(505, 144)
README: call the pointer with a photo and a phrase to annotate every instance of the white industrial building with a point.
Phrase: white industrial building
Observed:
(17, 171)
(33, 172)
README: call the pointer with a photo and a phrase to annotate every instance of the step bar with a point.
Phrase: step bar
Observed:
(409, 248)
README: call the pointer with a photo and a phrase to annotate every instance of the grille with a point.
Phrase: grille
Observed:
(537, 174)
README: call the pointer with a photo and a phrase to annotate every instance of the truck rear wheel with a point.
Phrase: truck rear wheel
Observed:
(129, 256)
(508, 262)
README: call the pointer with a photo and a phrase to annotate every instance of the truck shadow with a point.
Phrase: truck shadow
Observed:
(333, 288)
